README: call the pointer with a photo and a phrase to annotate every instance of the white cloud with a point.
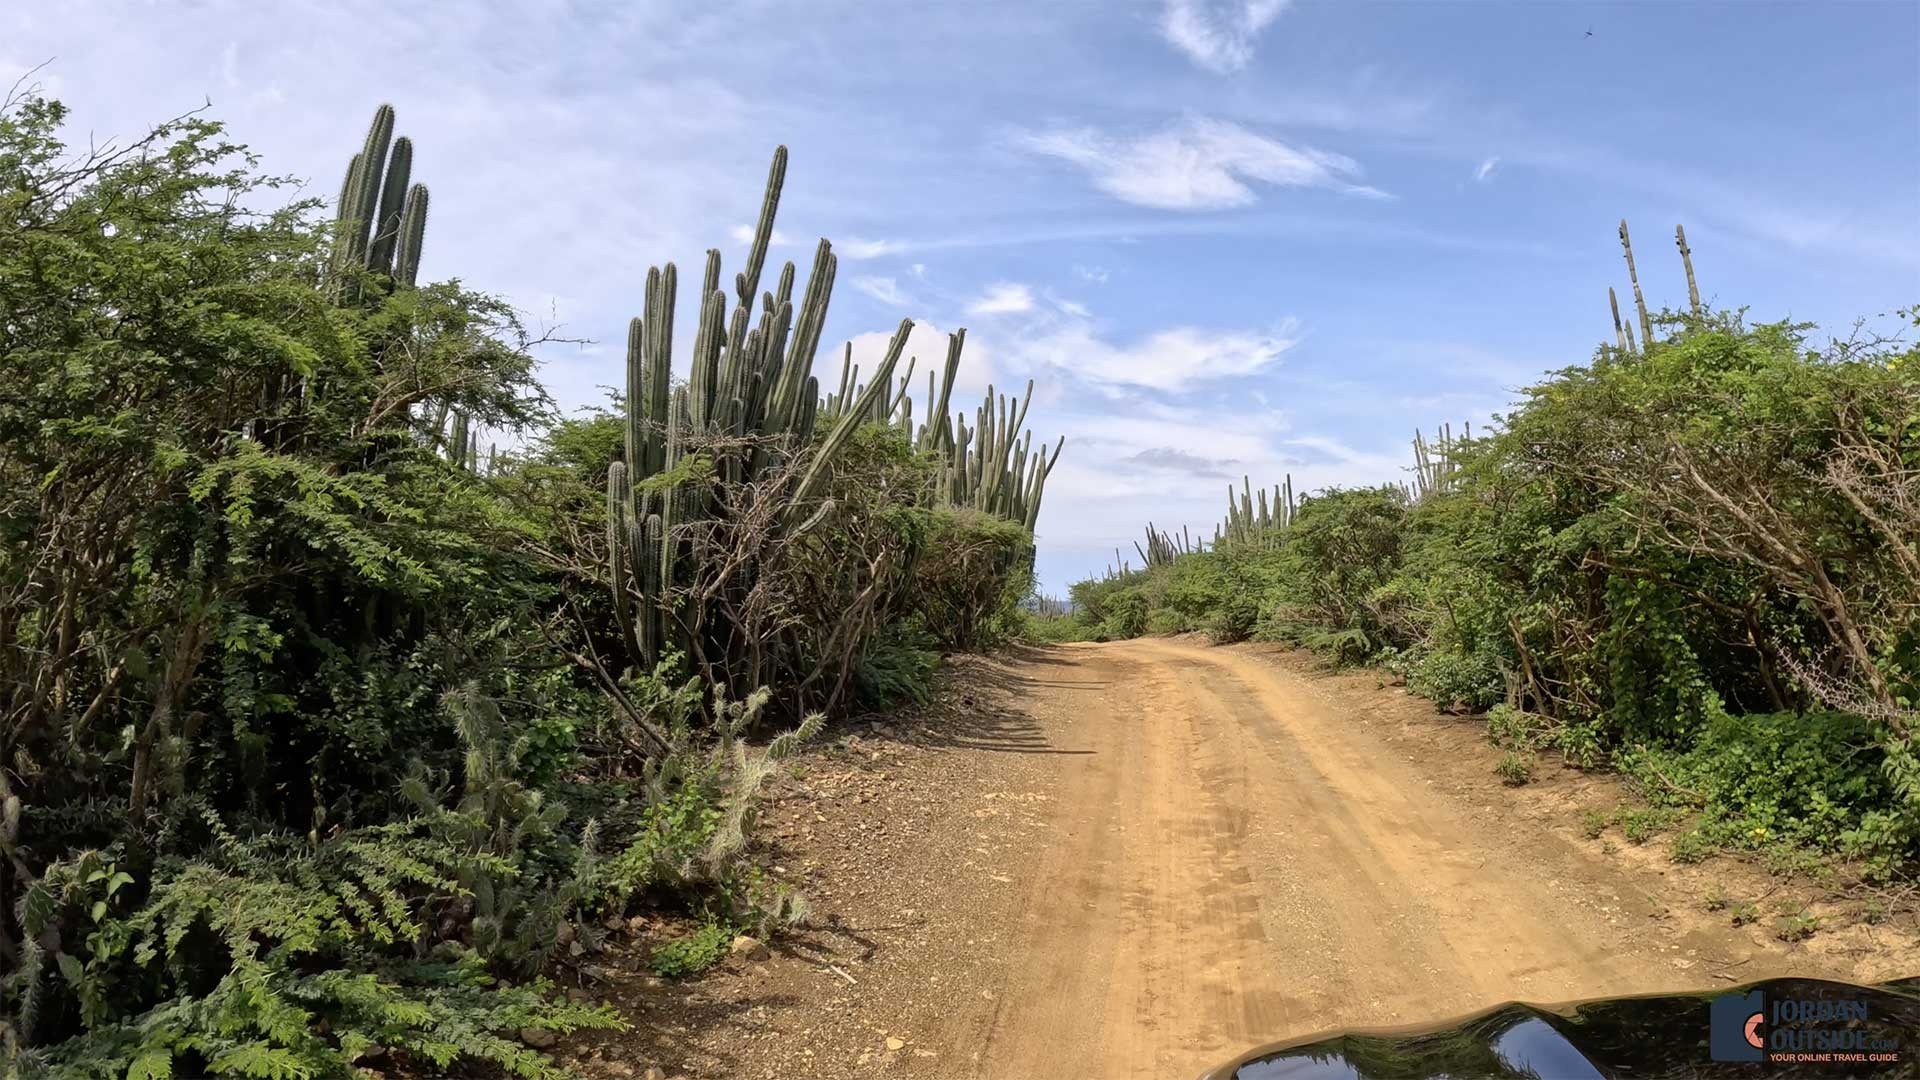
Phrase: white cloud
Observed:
(743, 234)
(854, 248)
(1096, 274)
(1485, 172)
(918, 270)
(1071, 307)
(884, 289)
(1003, 298)
(1169, 360)
(1197, 164)
(1217, 34)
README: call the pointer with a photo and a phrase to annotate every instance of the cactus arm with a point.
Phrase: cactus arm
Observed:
(412, 233)
(393, 195)
(748, 281)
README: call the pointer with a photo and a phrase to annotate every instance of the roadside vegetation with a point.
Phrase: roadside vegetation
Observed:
(1695, 559)
(331, 729)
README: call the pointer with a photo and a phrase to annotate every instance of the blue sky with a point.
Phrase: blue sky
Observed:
(1252, 236)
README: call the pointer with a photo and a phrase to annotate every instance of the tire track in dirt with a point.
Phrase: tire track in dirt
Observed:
(1239, 863)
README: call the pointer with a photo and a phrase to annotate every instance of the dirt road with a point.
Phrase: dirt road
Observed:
(1148, 857)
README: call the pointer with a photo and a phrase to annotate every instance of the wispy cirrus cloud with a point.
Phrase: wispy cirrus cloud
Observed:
(1197, 164)
(1071, 307)
(884, 289)
(1218, 34)
(854, 248)
(1486, 170)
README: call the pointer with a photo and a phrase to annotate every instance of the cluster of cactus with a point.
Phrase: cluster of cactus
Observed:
(749, 407)
(1164, 547)
(381, 218)
(1251, 520)
(750, 400)
(379, 225)
(1119, 568)
(1623, 335)
(990, 467)
(1433, 462)
(460, 440)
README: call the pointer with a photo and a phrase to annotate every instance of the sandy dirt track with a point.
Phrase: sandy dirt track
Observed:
(1243, 863)
(1143, 858)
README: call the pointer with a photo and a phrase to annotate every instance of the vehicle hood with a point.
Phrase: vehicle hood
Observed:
(1664, 1035)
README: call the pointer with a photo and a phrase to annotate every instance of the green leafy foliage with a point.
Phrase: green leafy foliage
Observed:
(692, 953)
(898, 671)
(1514, 769)
(322, 729)
(1816, 779)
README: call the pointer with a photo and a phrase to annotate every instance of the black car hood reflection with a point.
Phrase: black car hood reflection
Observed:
(1657, 1036)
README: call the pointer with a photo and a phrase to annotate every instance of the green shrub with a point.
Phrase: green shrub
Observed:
(1580, 745)
(692, 953)
(1796, 927)
(897, 670)
(1512, 729)
(1593, 823)
(1163, 621)
(1234, 621)
(972, 572)
(1346, 646)
(1454, 681)
(1816, 779)
(1126, 616)
(1054, 629)
(1639, 825)
(1691, 846)
(1513, 769)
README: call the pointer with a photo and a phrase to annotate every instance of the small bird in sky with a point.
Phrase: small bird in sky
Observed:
(1589, 31)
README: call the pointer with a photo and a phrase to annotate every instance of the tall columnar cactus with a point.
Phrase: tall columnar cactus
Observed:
(1686, 260)
(748, 406)
(1633, 276)
(381, 218)
(1624, 337)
